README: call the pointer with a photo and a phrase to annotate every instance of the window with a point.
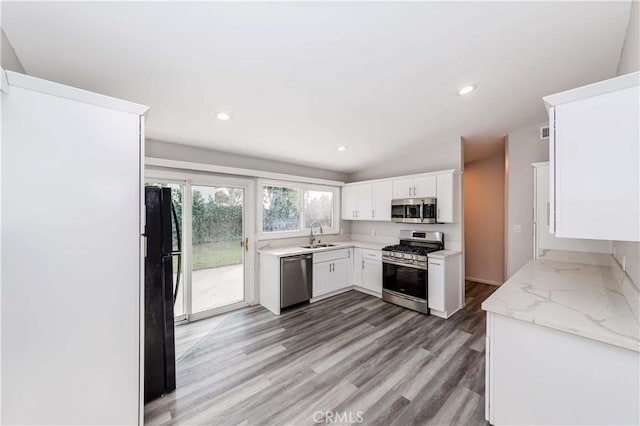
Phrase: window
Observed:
(289, 209)
(318, 207)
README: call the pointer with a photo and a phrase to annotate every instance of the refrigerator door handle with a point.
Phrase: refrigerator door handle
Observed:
(178, 253)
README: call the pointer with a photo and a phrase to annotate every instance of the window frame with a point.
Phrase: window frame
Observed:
(302, 231)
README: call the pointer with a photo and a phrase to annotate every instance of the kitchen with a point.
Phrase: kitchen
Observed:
(291, 221)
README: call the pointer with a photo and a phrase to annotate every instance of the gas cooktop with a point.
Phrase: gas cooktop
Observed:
(406, 248)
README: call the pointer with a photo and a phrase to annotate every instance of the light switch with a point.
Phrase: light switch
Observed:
(516, 229)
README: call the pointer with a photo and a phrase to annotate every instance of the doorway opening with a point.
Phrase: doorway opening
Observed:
(484, 210)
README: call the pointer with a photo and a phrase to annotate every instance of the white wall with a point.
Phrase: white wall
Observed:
(630, 62)
(440, 156)
(9, 59)
(174, 151)
(443, 156)
(630, 57)
(522, 148)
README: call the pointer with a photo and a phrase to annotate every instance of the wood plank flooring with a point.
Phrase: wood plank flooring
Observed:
(349, 359)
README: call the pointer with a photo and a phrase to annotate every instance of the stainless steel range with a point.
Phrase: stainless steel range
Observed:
(405, 269)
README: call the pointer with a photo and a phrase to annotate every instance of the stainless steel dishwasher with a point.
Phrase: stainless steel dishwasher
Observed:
(296, 279)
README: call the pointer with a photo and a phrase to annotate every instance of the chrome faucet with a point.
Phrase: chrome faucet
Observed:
(312, 238)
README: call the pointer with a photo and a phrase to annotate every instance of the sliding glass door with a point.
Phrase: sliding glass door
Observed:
(215, 256)
(217, 247)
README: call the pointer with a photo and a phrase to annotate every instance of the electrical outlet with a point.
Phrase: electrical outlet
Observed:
(516, 229)
(624, 263)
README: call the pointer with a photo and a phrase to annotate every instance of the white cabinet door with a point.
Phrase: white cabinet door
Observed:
(425, 186)
(445, 197)
(372, 275)
(403, 188)
(382, 195)
(321, 275)
(358, 265)
(350, 267)
(339, 274)
(597, 167)
(364, 204)
(349, 195)
(544, 240)
(436, 291)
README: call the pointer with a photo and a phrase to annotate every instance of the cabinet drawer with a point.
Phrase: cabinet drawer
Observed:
(371, 254)
(327, 256)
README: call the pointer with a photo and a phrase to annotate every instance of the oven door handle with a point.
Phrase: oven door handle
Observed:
(408, 265)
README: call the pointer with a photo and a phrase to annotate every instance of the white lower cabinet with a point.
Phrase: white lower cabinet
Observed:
(372, 275)
(357, 267)
(539, 375)
(371, 270)
(331, 271)
(444, 290)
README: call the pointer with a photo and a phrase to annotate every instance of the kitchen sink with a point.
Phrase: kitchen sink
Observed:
(319, 246)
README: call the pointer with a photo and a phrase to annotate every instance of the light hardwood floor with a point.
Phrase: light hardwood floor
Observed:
(351, 358)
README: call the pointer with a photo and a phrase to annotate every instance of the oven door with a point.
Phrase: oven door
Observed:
(409, 280)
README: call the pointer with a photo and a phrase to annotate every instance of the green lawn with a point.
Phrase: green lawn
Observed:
(213, 255)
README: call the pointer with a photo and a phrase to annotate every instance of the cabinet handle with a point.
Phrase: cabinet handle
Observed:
(349, 254)
(356, 213)
(373, 213)
(363, 264)
(438, 212)
(414, 191)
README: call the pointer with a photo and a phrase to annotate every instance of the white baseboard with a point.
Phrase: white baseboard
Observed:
(483, 281)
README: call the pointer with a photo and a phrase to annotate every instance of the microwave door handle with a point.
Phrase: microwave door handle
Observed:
(422, 212)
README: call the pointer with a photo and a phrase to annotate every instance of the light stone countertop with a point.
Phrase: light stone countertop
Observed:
(441, 254)
(576, 298)
(295, 250)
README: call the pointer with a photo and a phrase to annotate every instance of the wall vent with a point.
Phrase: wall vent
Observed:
(544, 133)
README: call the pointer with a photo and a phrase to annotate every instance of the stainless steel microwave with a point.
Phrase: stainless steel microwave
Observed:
(413, 210)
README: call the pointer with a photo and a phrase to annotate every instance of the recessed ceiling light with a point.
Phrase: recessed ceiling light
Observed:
(223, 116)
(467, 89)
(342, 148)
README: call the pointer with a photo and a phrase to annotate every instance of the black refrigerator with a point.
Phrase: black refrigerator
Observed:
(160, 292)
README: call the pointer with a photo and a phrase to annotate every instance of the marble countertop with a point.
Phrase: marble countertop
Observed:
(443, 253)
(580, 299)
(294, 250)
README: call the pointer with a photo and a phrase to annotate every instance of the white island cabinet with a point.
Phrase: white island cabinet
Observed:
(72, 251)
(594, 157)
(562, 348)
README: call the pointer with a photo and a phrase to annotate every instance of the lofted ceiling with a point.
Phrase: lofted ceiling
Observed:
(301, 79)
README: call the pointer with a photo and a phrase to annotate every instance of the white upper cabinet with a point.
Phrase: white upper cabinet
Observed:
(382, 195)
(349, 202)
(367, 201)
(364, 206)
(445, 197)
(595, 160)
(372, 200)
(415, 187)
(543, 239)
